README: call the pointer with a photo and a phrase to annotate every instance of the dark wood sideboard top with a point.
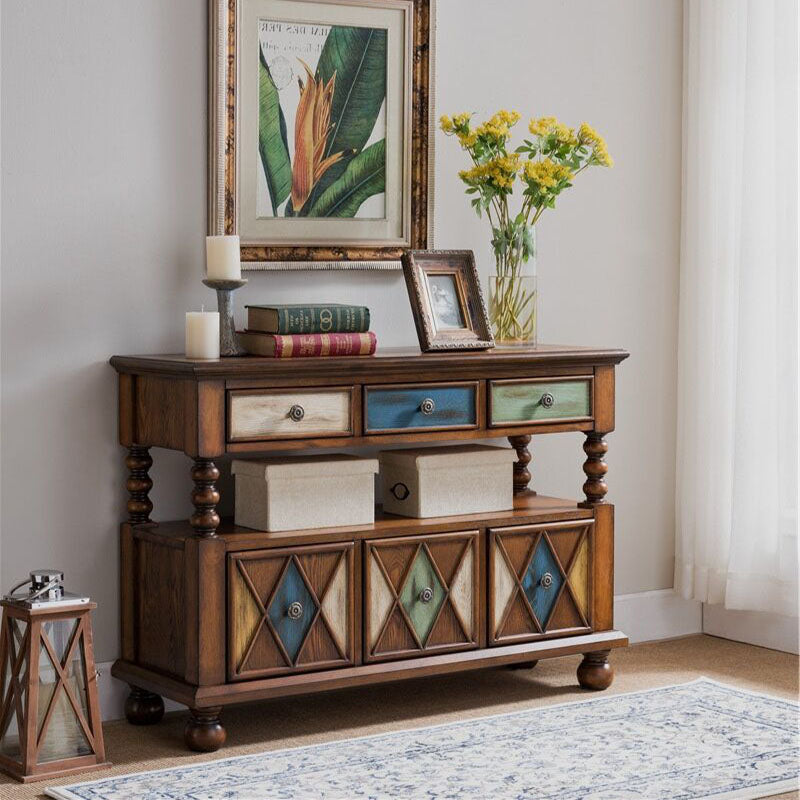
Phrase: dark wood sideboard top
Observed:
(387, 359)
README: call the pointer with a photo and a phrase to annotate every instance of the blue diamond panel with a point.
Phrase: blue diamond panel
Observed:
(540, 597)
(292, 589)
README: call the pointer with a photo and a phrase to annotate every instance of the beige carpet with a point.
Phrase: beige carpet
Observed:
(357, 712)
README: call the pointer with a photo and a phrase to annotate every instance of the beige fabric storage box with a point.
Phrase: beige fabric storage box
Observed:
(283, 494)
(443, 481)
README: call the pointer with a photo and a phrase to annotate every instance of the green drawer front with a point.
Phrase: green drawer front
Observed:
(539, 401)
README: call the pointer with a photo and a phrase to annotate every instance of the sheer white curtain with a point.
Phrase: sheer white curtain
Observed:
(737, 468)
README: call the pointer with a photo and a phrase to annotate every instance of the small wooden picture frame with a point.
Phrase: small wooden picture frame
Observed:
(446, 300)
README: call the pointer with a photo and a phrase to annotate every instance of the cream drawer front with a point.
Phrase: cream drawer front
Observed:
(260, 415)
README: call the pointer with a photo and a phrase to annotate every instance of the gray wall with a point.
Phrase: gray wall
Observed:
(103, 218)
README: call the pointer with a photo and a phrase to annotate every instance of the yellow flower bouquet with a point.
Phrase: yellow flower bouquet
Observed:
(544, 165)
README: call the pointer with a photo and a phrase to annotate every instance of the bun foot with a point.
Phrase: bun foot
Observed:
(204, 732)
(595, 672)
(524, 664)
(143, 708)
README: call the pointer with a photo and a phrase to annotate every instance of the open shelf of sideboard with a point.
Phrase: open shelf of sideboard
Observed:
(529, 508)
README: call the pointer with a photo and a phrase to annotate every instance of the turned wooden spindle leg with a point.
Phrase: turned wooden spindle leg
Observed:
(595, 468)
(143, 708)
(138, 461)
(205, 497)
(522, 475)
(204, 731)
(594, 672)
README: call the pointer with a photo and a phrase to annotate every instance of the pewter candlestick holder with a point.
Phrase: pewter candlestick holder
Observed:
(228, 343)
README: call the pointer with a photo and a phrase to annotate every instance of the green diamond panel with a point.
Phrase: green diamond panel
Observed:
(413, 597)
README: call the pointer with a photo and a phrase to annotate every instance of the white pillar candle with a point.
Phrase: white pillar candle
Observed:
(202, 334)
(223, 258)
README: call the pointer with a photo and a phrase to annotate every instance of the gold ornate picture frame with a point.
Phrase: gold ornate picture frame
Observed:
(446, 300)
(320, 130)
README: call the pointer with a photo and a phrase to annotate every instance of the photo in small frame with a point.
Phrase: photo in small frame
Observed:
(446, 300)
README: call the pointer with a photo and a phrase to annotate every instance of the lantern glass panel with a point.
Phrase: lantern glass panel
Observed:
(59, 727)
(15, 670)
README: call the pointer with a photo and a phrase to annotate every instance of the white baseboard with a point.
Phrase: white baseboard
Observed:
(659, 614)
(644, 616)
(753, 627)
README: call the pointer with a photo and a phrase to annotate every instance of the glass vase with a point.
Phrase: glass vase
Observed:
(514, 297)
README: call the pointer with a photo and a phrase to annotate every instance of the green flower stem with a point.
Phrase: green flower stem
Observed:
(512, 308)
(543, 166)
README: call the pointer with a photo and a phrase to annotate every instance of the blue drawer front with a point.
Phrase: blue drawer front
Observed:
(397, 409)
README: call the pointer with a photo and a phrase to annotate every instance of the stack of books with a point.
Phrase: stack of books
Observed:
(298, 331)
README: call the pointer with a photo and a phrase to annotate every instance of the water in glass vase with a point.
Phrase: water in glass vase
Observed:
(513, 295)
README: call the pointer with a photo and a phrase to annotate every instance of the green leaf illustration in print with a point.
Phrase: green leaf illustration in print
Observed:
(357, 56)
(364, 176)
(272, 139)
(334, 156)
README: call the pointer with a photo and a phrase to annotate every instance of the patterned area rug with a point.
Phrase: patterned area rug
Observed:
(697, 740)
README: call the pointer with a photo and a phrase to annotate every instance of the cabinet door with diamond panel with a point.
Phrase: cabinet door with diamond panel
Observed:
(539, 581)
(290, 610)
(421, 595)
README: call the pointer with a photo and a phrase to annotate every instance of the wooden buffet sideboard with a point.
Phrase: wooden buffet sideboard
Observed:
(214, 614)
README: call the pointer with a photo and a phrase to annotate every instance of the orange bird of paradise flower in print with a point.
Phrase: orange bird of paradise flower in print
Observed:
(311, 128)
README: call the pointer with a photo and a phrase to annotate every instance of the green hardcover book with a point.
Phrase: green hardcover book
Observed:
(329, 318)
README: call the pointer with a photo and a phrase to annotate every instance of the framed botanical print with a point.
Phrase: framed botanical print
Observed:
(320, 130)
(446, 300)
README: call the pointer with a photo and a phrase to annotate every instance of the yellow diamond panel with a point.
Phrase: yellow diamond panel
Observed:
(245, 616)
(579, 577)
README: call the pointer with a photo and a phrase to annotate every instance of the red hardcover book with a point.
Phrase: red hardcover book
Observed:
(307, 345)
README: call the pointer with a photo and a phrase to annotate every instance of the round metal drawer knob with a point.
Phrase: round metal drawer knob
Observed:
(426, 595)
(297, 412)
(427, 406)
(547, 580)
(547, 400)
(295, 610)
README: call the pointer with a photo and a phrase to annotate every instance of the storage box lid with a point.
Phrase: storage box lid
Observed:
(305, 467)
(448, 457)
